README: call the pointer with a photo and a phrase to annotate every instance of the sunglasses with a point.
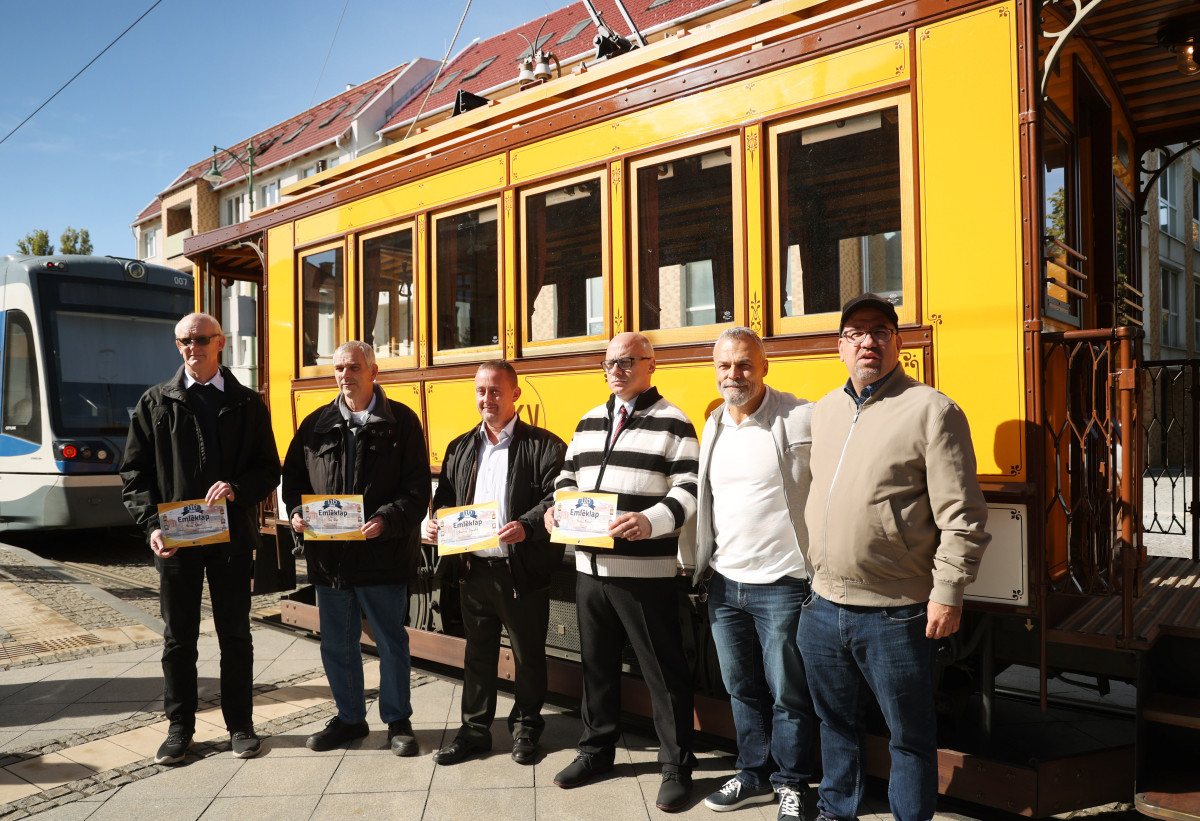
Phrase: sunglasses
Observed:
(196, 340)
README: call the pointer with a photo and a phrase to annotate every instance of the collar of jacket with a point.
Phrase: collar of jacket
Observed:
(331, 417)
(234, 390)
(645, 399)
(891, 384)
(520, 431)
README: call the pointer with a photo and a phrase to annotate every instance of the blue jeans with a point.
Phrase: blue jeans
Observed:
(754, 627)
(386, 607)
(885, 649)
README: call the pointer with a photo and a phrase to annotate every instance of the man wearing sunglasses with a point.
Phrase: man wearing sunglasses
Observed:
(202, 435)
(644, 449)
(896, 522)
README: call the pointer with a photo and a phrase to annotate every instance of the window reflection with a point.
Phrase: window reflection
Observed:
(564, 260)
(685, 241)
(840, 213)
(387, 266)
(467, 269)
(324, 309)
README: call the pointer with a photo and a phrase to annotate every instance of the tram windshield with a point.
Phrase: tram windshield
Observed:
(106, 342)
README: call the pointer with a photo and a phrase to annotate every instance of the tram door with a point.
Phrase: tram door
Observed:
(1093, 120)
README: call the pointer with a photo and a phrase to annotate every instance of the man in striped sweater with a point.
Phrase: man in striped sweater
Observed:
(644, 449)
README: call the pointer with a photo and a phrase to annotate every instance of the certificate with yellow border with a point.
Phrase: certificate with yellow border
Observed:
(473, 527)
(583, 518)
(332, 518)
(190, 523)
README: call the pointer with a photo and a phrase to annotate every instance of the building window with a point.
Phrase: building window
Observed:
(388, 303)
(1168, 197)
(268, 194)
(323, 319)
(149, 242)
(22, 415)
(840, 222)
(233, 210)
(685, 225)
(1196, 315)
(467, 273)
(564, 257)
(1196, 212)
(1172, 298)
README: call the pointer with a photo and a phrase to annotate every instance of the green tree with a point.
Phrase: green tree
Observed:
(36, 243)
(75, 242)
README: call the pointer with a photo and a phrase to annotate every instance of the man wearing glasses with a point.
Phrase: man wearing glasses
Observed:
(644, 449)
(202, 435)
(896, 522)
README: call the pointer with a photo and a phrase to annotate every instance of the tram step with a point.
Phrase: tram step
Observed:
(1179, 711)
(1175, 802)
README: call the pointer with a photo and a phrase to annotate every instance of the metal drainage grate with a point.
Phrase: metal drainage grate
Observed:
(49, 646)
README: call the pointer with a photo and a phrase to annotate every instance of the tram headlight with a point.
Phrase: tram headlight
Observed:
(78, 452)
(69, 451)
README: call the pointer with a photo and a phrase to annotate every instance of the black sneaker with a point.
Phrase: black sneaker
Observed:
(791, 803)
(401, 738)
(583, 769)
(175, 748)
(736, 793)
(244, 743)
(674, 792)
(336, 734)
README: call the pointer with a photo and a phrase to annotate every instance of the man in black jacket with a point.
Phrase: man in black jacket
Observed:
(201, 435)
(508, 461)
(362, 443)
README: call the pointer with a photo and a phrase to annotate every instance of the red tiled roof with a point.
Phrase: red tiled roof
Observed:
(503, 52)
(151, 210)
(294, 136)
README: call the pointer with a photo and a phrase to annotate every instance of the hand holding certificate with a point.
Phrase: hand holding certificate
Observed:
(190, 523)
(332, 518)
(463, 529)
(583, 518)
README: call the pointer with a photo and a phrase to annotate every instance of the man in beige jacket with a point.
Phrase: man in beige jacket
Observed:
(896, 524)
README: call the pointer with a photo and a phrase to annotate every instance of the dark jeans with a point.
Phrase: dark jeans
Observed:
(341, 613)
(848, 650)
(754, 628)
(181, 583)
(487, 605)
(647, 612)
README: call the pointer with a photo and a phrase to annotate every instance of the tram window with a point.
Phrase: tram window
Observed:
(387, 277)
(685, 241)
(324, 309)
(564, 259)
(1059, 206)
(840, 213)
(468, 265)
(22, 405)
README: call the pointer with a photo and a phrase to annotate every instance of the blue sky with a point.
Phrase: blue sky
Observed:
(188, 76)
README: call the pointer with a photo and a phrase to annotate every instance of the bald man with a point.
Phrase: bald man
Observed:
(202, 435)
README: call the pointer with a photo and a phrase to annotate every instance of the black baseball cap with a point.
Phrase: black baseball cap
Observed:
(869, 300)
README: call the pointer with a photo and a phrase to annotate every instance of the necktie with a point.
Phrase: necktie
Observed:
(620, 422)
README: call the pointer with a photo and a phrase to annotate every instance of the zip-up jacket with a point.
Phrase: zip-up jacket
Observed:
(535, 457)
(895, 512)
(166, 461)
(651, 466)
(790, 422)
(391, 471)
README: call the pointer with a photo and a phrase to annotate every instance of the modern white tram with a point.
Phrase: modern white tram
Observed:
(82, 338)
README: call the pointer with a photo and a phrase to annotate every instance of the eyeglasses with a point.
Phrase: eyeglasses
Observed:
(196, 340)
(622, 364)
(856, 336)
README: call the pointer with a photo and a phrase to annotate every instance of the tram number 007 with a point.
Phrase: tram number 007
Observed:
(182, 282)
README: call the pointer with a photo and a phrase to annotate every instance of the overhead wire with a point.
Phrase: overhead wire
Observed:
(85, 68)
(441, 65)
(321, 76)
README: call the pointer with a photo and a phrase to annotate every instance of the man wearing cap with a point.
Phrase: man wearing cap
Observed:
(896, 522)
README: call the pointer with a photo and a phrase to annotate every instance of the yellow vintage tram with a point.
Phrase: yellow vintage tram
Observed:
(976, 162)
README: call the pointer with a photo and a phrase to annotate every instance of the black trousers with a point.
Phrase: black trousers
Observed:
(487, 604)
(646, 611)
(181, 583)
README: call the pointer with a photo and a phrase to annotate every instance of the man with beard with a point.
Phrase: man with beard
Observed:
(750, 543)
(896, 523)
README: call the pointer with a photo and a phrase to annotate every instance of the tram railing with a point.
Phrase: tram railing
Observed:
(1171, 432)
(1089, 417)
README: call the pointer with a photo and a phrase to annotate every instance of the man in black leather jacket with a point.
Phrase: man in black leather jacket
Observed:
(362, 443)
(202, 435)
(508, 461)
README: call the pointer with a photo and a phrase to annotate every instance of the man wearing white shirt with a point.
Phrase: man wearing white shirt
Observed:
(514, 464)
(750, 538)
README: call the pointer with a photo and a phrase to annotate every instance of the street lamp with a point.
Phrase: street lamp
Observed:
(214, 174)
